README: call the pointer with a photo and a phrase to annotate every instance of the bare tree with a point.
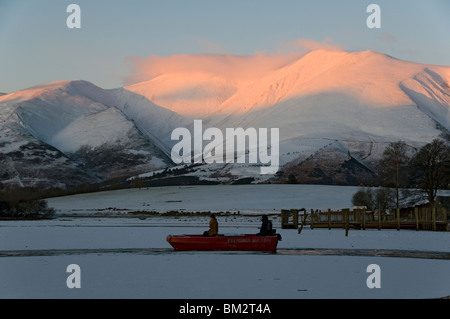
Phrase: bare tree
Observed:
(432, 168)
(384, 199)
(392, 167)
(374, 199)
(364, 197)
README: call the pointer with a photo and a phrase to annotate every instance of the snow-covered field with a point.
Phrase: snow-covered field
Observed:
(94, 231)
(248, 199)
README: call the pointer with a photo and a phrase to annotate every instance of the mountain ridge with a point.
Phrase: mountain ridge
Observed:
(360, 101)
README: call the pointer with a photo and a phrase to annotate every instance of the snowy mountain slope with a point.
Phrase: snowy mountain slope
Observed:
(189, 94)
(194, 85)
(80, 121)
(155, 122)
(331, 86)
(26, 161)
(331, 164)
(431, 93)
(46, 111)
(328, 71)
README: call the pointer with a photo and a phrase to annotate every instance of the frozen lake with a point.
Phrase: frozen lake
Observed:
(112, 272)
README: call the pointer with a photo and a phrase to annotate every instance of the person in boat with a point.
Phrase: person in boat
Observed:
(213, 227)
(266, 227)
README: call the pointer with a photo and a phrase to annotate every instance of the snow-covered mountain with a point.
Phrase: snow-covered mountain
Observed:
(336, 112)
(356, 81)
(76, 124)
(353, 102)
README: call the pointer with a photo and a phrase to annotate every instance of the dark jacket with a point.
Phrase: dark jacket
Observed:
(266, 227)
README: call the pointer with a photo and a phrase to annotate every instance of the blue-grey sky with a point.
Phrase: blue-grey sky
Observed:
(36, 46)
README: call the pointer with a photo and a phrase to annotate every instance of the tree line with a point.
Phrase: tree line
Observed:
(24, 203)
(408, 178)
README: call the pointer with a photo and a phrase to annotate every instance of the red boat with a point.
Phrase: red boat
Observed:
(246, 242)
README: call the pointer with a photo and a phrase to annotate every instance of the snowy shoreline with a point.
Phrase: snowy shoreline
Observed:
(251, 199)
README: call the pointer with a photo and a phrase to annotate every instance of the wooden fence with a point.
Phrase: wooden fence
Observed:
(418, 218)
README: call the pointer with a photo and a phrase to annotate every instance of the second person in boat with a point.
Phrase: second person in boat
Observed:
(266, 227)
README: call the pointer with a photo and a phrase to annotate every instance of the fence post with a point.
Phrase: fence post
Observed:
(398, 218)
(433, 217)
(303, 221)
(346, 215)
(329, 219)
(416, 215)
(364, 219)
(295, 217)
(379, 219)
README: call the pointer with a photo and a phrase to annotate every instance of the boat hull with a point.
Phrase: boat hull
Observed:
(247, 242)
